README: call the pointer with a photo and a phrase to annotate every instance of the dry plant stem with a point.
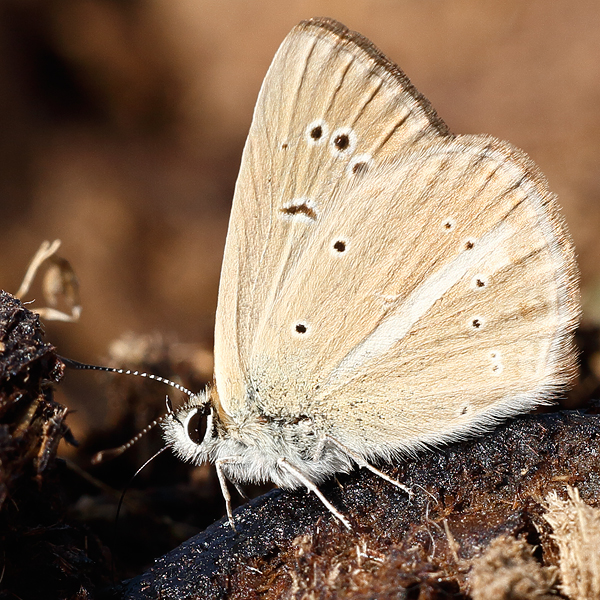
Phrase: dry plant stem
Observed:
(64, 272)
(45, 251)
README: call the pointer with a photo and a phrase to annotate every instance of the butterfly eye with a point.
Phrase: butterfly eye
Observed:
(196, 425)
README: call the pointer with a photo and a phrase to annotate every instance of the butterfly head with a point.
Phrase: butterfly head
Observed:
(190, 430)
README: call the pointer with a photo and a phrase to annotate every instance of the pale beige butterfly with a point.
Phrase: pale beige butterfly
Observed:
(386, 286)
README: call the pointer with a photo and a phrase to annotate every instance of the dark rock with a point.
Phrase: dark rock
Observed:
(465, 495)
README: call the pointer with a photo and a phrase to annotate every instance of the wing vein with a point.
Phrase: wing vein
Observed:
(391, 131)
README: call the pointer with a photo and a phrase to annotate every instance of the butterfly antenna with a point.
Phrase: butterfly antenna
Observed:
(122, 498)
(114, 452)
(73, 364)
(111, 453)
(133, 478)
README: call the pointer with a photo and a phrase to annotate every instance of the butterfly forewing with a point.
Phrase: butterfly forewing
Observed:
(307, 104)
(372, 260)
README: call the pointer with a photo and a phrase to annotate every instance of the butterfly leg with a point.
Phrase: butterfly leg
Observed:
(239, 490)
(361, 462)
(223, 483)
(286, 466)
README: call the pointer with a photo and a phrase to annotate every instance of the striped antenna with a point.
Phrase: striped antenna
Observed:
(73, 364)
(114, 452)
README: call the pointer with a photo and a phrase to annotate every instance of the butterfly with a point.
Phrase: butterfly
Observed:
(386, 286)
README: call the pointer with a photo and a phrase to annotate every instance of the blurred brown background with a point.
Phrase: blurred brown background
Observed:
(123, 124)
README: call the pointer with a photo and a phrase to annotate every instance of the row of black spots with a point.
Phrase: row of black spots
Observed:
(478, 283)
(449, 225)
(338, 248)
(342, 142)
